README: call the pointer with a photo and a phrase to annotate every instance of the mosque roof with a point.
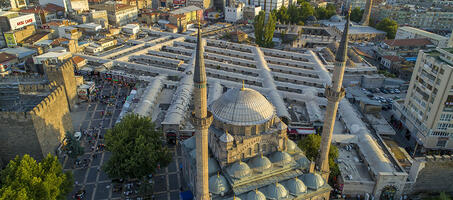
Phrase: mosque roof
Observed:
(213, 166)
(260, 163)
(226, 137)
(313, 181)
(276, 191)
(291, 145)
(239, 170)
(255, 195)
(242, 107)
(295, 186)
(189, 143)
(218, 184)
(280, 157)
(303, 162)
(335, 18)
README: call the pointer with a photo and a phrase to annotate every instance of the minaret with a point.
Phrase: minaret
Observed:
(334, 93)
(201, 120)
(366, 14)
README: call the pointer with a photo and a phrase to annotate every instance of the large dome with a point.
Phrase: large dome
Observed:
(313, 181)
(276, 191)
(260, 163)
(295, 186)
(255, 195)
(242, 107)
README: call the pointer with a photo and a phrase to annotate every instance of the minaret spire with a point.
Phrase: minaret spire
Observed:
(201, 120)
(334, 93)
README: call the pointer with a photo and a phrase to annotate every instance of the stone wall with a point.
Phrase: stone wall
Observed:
(38, 131)
(18, 136)
(51, 120)
(64, 75)
(432, 174)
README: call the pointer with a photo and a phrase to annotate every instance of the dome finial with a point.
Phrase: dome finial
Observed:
(243, 85)
(218, 174)
(261, 154)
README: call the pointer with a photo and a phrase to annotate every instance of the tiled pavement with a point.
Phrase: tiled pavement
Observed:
(92, 179)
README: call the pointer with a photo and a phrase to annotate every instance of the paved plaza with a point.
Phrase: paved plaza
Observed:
(88, 174)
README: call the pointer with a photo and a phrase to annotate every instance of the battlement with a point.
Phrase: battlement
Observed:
(66, 66)
(18, 116)
(436, 158)
(50, 99)
(37, 87)
(23, 79)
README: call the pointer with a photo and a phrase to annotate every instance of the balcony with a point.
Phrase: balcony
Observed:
(422, 129)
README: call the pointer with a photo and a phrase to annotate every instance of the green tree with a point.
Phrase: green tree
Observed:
(311, 144)
(264, 31)
(137, 148)
(294, 15)
(389, 26)
(356, 14)
(25, 178)
(305, 10)
(258, 25)
(325, 13)
(282, 15)
(72, 146)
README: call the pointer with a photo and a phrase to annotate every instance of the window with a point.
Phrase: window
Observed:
(441, 142)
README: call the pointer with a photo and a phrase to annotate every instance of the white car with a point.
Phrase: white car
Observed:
(78, 135)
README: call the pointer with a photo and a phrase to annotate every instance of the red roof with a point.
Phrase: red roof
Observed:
(53, 7)
(58, 41)
(5, 57)
(416, 42)
(171, 26)
(33, 10)
(77, 59)
(393, 58)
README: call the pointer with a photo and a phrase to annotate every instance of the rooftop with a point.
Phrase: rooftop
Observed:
(4, 57)
(184, 10)
(423, 32)
(414, 42)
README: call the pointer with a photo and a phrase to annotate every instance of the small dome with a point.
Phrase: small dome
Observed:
(312, 18)
(303, 162)
(255, 195)
(313, 181)
(213, 166)
(291, 145)
(189, 143)
(239, 170)
(242, 107)
(226, 137)
(218, 184)
(335, 18)
(280, 157)
(276, 191)
(295, 186)
(260, 163)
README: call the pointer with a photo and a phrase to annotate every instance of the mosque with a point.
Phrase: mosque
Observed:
(250, 155)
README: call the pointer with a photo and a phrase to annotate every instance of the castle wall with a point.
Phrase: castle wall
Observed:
(51, 120)
(432, 174)
(18, 136)
(64, 75)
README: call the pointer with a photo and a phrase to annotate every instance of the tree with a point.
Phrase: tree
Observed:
(311, 145)
(294, 15)
(72, 147)
(137, 148)
(282, 15)
(325, 13)
(264, 31)
(356, 14)
(305, 10)
(389, 26)
(25, 178)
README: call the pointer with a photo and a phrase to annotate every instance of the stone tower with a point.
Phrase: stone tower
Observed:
(334, 93)
(201, 120)
(366, 14)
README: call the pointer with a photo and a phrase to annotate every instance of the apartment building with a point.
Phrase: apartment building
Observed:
(426, 18)
(427, 112)
(118, 14)
(407, 32)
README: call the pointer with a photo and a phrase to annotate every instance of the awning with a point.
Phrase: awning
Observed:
(301, 131)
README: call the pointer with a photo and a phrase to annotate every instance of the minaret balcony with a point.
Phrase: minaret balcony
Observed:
(202, 123)
(333, 95)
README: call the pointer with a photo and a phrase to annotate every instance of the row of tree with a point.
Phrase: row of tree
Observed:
(298, 14)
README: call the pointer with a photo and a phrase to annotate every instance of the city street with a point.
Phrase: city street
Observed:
(93, 120)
